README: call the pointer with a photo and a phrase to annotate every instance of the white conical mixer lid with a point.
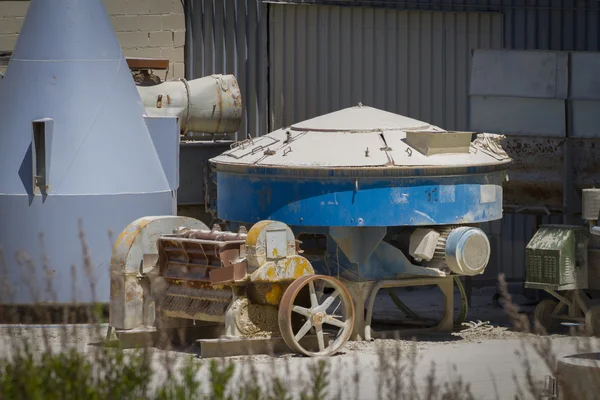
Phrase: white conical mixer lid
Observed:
(359, 137)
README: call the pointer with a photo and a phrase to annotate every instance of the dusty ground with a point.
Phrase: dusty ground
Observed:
(483, 350)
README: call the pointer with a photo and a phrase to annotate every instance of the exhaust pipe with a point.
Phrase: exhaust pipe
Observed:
(212, 104)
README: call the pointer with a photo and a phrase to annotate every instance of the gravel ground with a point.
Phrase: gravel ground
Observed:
(484, 322)
(485, 341)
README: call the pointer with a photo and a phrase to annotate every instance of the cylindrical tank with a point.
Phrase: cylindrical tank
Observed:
(579, 376)
(73, 147)
(361, 167)
(210, 104)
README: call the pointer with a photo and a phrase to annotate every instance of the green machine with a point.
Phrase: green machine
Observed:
(564, 261)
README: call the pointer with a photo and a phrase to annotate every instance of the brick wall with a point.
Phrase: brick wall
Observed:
(145, 28)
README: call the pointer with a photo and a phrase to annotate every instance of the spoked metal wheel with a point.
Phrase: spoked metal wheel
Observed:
(306, 306)
(592, 321)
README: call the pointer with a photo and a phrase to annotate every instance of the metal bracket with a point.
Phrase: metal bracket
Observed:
(550, 390)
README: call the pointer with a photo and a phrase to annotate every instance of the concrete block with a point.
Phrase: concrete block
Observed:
(13, 8)
(19, 23)
(7, 42)
(173, 54)
(149, 23)
(173, 22)
(179, 38)
(585, 119)
(161, 6)
(161, 38)
(125, 23)
(179, 70)
(116, 7)
(143, 52)
(518, 116)
(137, 7)
(133, 39)
(584, 80)
(530, 74)
(7, 25)
(178, 7)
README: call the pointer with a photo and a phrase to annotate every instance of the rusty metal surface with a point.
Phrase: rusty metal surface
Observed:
(203, 267)
(536, 173)
(203, 302)
(229, 275)
(129, 294)
(535, 176)
(136, 63)
(314, 314)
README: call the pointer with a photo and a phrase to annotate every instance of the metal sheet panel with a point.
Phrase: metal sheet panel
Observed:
(164, 132)
(230, 37)
(529, 74)
(518, 116)
(412, 63)
(585, 118)
(194, 170)
(584, 97)
(584, 78)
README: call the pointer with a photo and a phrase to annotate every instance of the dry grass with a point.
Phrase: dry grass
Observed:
(41, 369)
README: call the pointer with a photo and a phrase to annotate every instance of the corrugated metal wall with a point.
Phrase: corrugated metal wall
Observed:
(230, 37)
(528, 24)
(320, 61)
(414, 63)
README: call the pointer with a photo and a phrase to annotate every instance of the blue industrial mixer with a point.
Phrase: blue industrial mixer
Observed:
(396, 200)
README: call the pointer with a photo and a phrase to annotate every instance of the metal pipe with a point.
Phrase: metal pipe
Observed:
(188, 11)
(212, 104)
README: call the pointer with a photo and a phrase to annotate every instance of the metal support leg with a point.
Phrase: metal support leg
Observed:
(446, 285)
(231, 328)
(359, 292)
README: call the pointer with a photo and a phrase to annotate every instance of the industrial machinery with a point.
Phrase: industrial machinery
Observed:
(169, 272)
(564, 261)
(379, 200)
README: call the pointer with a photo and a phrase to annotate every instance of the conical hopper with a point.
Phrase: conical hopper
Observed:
(73, 144)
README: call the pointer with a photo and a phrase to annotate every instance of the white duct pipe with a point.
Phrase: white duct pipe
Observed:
(212, 104)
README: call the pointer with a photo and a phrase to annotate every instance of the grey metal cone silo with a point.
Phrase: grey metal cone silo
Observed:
(73, 145)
